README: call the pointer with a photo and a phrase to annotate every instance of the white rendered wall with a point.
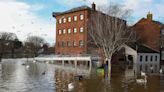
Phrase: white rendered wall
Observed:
(152, 66)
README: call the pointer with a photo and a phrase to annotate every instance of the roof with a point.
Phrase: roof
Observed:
(72, 10)
(81, 8)
(157, 22)
(145, 19)
(141, 48)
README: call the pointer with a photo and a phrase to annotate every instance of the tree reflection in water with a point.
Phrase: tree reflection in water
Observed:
(16, 78)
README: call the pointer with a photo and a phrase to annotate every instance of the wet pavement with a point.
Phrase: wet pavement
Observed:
(42, 77)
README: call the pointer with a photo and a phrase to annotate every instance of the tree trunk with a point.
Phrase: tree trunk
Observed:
(109, 67)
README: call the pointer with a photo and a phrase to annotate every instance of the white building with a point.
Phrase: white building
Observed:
(144, 58)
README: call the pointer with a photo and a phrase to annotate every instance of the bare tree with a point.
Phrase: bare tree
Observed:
(5, 39)
(116, 10)
(109, 33)
(34, 44)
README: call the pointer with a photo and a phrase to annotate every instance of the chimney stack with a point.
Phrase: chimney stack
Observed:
(150, 16)
(93, 6)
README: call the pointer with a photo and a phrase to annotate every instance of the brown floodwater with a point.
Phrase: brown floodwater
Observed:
(42, 77)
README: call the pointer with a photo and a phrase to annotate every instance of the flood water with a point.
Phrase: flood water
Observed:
(42, 77)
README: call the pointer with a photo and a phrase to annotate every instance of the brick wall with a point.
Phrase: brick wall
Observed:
(72, 36)
(148, 33)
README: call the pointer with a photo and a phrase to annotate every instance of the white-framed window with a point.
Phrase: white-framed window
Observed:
(64, 20)
(75, 18)
(75, 30)
(81, 43)
(60, 21)
(69, 19)
(81, 29)
(64, 31)
(74, 43)
(69, 31)
(81, 16)
(68, 43)
(60, 31)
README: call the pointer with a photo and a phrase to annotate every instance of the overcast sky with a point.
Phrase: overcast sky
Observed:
(34, 17)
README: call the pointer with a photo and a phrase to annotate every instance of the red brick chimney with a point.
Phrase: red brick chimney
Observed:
(150, 16)
(93, 6)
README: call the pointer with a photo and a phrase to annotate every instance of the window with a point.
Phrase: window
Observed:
(64, 20)
(63, 44)
(81, 43)
(64, 31)
(60, 31)
(81, 29)
(74, 43)
(151, 58)
(60, 21)
(69, 19)
(81, 17)
(146, 58)
(75, 30)
(69, 31)
(75, 18)
(155, 58)
(141, 58)
(68, 43)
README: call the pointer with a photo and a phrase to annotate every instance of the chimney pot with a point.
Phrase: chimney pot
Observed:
(150, 16)
(93, 6)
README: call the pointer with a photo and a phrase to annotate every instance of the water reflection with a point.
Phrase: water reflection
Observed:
(14, 77)
(148, 67)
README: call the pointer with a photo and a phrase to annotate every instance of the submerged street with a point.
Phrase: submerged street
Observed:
(42, 77)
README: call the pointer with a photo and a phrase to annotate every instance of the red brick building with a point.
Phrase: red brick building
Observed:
(72, 35)
(71, 30)
(148, 32)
